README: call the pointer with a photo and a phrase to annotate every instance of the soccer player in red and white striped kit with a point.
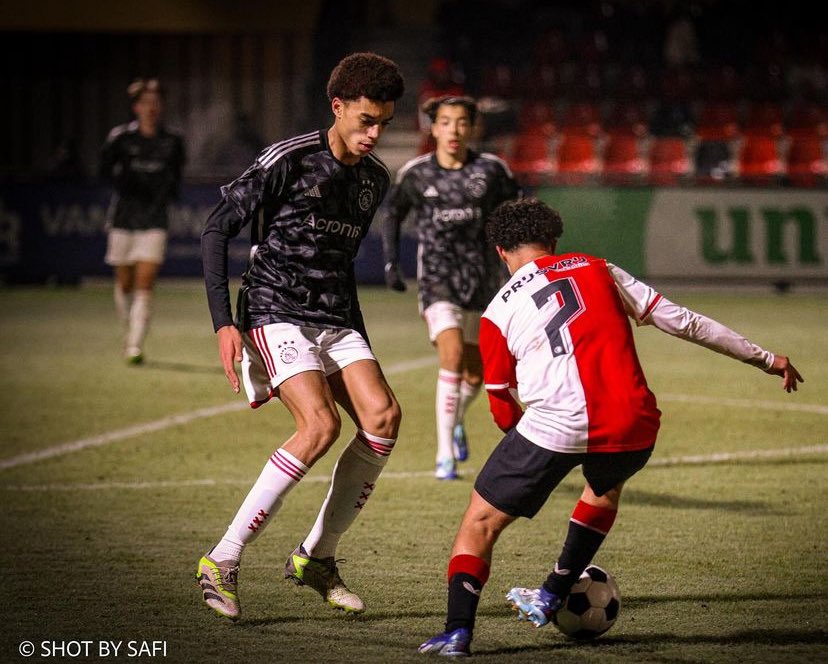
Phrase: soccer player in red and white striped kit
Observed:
(559, 334)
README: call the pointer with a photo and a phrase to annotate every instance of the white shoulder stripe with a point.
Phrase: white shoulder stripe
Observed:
(494, 387)
(410, 164)
(495, 158)
(277, 150)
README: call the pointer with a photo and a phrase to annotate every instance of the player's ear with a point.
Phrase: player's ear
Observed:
(337, 106)
(501, 252)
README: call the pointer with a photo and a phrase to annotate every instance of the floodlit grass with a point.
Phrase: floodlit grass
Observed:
(717, 561)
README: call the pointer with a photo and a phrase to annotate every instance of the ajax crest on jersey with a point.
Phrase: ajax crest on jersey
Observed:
(592, 606)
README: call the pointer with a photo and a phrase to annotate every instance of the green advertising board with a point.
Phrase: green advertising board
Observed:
(699, 233)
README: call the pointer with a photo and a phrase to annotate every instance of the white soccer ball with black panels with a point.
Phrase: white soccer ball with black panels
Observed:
(592, 606)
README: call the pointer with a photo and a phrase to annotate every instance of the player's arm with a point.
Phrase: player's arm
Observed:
(109, 158)
(648, 307)
(392, 213)
(240, 202)
(499, 376)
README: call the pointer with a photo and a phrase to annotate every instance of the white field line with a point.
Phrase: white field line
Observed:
(720, 457)
(398, 368)
(167, 422)
(746, 403)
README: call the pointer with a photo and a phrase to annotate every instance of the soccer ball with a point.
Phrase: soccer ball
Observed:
(592, 606)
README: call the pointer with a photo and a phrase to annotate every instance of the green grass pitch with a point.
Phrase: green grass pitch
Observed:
(718, 559)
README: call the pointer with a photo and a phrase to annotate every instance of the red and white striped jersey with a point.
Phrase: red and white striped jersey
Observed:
(559, 333)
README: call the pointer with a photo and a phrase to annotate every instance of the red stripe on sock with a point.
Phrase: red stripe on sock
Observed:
(468, 564)
(599, 519)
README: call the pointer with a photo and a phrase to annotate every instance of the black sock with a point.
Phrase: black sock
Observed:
(463, 597)
(579, 549)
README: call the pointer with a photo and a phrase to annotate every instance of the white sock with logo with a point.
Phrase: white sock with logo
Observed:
(448, 397)
(280, 474)
(139, 317)
(352, 483)
(468, 393)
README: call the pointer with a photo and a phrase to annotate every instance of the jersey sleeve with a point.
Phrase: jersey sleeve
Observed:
(648, 307)
(392, 213)
(223, 224)
(499, 375)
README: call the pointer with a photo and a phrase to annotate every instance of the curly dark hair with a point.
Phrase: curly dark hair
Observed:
(366, 75)
(526, 221)
(431, 106)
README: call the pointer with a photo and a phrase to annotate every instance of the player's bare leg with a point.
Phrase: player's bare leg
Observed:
(361, 389)
(308, 398)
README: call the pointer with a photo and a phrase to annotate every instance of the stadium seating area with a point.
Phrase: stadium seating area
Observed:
(635, 93)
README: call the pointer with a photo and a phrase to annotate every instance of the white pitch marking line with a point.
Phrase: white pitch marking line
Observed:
(719, 457)
(167, 422)
(745, 403)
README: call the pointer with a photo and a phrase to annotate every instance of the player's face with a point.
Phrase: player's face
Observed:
(147, 108)
(452, 130)
(358, 126)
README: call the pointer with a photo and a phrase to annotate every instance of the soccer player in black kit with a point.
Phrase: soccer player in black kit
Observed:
(143, 160)
(451, 192)
(298, 332)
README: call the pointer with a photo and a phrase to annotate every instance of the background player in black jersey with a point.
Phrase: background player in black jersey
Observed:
(143, 161)
(450, 191)
(299, 332)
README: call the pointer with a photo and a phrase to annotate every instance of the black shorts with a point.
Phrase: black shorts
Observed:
(519, 475)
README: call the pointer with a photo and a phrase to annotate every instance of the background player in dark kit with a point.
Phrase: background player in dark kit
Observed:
(299, 332)
(143, 160)
(450, 191)
(559, 333)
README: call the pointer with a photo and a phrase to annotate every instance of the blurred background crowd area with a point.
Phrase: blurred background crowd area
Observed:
(620, 92)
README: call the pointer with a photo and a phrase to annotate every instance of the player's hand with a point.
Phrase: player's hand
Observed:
(394, 277)
(790, 376)
(230, 352)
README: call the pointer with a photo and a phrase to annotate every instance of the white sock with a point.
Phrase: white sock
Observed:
(280, 474)
(468, 393)
(139, 317)
(123, 302)
(448, 396)
(352, 483)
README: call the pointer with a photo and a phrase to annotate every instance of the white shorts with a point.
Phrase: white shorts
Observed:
(125, 247)
(442, 316)
(275, 352)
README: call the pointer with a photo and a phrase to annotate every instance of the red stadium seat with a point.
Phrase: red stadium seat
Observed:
(537, 117)
(577, 159)
(531, 158)
(669, 161)
(718, 121)
(583, 118)
(806, 161)
(623, 163)
(808, 120)
(759, 159)
(765, 119)
(630, 118)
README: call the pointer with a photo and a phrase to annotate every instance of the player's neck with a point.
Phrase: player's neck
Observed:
(451, 161)
(148, 129)
(525, 253)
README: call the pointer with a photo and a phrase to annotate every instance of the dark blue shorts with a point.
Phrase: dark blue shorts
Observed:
(519, 475)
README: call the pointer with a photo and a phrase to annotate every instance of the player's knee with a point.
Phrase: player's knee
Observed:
(385, 419)
(322, 432)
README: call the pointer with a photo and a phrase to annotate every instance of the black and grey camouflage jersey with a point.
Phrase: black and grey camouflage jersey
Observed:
(145, 172)
(454, 262)
(310, 213)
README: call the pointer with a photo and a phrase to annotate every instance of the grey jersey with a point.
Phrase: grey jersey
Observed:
(308, 214)
(454, 262)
